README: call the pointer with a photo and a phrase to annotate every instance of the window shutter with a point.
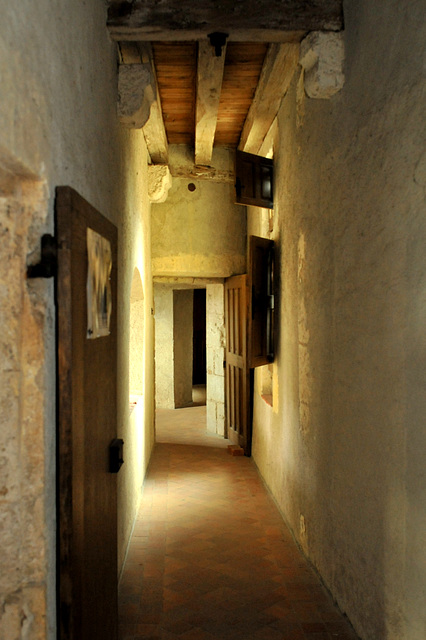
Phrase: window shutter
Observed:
(254, 180)
(261, 301)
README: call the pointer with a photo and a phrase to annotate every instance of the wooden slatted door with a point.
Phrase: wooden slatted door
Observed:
(237, 372)
(87, 382)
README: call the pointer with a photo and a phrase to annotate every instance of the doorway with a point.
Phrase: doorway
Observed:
(189, 348)
(199, 361)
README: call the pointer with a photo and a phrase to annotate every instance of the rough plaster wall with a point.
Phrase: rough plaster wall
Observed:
(136, 336)
(199, 233)
(344, 457)
(215, 354)
(164, 356)
(182, 345)
(137, 428)
(258, 223)
(25, 317)
(58, 126)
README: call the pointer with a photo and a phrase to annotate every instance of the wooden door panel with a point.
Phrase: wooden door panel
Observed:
(237, 373)
(87, 423)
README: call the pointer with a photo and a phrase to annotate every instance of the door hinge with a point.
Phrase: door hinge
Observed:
(48, 264)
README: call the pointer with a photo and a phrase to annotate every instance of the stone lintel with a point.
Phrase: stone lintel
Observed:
(159, 182)
(322, 56)
(135, 94)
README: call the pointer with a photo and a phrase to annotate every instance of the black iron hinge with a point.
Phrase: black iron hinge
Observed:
(48, 264)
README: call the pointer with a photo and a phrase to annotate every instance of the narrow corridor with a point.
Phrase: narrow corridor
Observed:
(210, 557)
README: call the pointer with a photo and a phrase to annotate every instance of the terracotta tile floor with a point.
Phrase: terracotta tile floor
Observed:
(210, 557)
(186, 426)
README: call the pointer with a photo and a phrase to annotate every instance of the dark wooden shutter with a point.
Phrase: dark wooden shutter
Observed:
(254, 180)
(261, 302)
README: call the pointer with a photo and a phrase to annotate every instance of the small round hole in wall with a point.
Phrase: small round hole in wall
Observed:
(191, 186)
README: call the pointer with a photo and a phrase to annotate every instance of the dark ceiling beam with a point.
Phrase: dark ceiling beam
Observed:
(250, 21)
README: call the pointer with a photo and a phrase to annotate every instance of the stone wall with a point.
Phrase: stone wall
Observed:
(58, 126)
(164, 356)
(136, 429)
(215, 352)
(136, 336)
(343, 456)
(199, 232)
(26, 315)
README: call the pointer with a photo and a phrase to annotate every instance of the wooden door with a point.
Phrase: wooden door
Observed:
(237, 375)
(86, 369)
(249, 320)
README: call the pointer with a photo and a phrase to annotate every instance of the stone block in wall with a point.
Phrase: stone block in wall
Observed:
(211, 417)
(215, 300)
(210, 360)
(322, 56)
(159, 182)
(135, 95)
(215, 388)
(215, 333)
(23, 391)
(218, 358)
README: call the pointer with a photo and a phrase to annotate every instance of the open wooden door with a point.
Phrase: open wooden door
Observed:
(249, 305)
(237, 373)
(87, 423)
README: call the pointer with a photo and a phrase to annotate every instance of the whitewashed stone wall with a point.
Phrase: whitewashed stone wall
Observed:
(215, 346)
(344, 455)
(164, 356)
(58, 126)
(199, 233)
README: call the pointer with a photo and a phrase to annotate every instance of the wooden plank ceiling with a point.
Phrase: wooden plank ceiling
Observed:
(176, 69)
(203, 102)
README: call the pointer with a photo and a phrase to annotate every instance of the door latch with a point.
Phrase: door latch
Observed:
(48, 264)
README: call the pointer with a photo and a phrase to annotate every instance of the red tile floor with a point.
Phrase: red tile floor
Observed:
(210, 557)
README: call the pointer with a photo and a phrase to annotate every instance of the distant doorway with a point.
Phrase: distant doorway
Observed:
(199, 359)
(189, 349)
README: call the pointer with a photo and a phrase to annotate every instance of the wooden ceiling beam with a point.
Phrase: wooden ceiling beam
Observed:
(243, 20)
(154, 130)
(278, 68)
(203, 173)
(209, 86)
